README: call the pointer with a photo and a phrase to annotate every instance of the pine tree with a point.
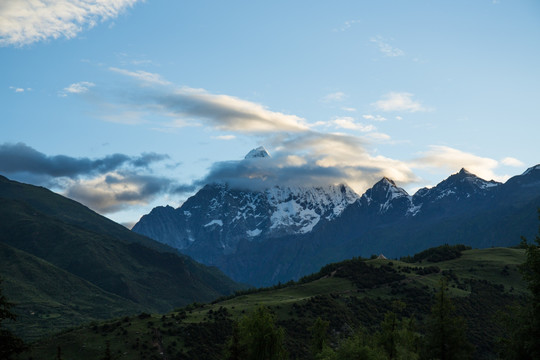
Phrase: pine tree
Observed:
(522, 326)
(319, 335)
(531, 273)
(398, 337)
(258, 338)
(445, 335)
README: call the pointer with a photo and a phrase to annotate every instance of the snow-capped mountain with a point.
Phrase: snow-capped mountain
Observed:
(284, 232)
(457, 187)
(216, 219)
(259, 152)
(227, 215)
(386, 197)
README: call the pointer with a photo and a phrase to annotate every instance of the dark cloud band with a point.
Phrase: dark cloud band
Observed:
(21, 158)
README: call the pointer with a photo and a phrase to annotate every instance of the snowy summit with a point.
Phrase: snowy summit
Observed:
(259, 152)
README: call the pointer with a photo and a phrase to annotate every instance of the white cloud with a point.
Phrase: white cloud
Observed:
(348, 109)
(337, 96)
(374, 117)
(301, 155)
(194, 107)
(16, 89)
(77, 88)
(510, 161)
(224, 137)
(379, 136)
(144, 76)
(399, 101)
(24, 22)
(347, 25)
(450, 159)
(387, 49)
(348, 122)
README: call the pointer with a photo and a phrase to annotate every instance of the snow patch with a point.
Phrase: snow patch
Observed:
(414, 209)
(214, 222)
(253, 233)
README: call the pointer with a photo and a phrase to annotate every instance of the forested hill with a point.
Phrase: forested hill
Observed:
(350, 295)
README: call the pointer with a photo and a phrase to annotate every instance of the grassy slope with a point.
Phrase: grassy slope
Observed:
(72, 238)
(159, 281)
(481, 281)
(48, 298)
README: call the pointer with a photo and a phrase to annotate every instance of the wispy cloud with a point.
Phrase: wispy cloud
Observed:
(347, 122)
(225, 137)
(346, 25)
(144, 76)
(336, 96)
(188, 106)
(450, 159)
(399, 101)
(24, 22)
(385, 48)
(374, 117)
(17, 89)
(77, 88)
(510, 161)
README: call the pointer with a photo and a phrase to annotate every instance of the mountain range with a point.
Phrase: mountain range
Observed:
(263, 237)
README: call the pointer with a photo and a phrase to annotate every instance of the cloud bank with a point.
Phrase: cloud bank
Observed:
(24, 22)
(106, 184)
(301, 155)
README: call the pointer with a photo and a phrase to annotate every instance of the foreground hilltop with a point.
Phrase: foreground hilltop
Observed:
(350, 295)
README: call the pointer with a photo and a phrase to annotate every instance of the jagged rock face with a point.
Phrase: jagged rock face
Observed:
(261, 237)
(386, 198)
(457, 187)
(217, 218)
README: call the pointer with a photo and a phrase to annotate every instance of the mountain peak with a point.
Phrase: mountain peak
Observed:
(384, 193)
(387, 181)
(464, 171)
(256, 153)
(531, 169)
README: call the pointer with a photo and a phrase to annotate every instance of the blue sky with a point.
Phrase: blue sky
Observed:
(125, 105)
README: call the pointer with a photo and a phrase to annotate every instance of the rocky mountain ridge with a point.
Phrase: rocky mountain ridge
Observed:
(293, 228)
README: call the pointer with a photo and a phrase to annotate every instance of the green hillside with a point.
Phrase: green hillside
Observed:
(53, 243)
(350, 294)
(48, 298)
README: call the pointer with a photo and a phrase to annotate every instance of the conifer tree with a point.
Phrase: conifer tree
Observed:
(522, 327)
(318, 335)
(531, 273)
(398, 337)
(445, 335)
(258, 338)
